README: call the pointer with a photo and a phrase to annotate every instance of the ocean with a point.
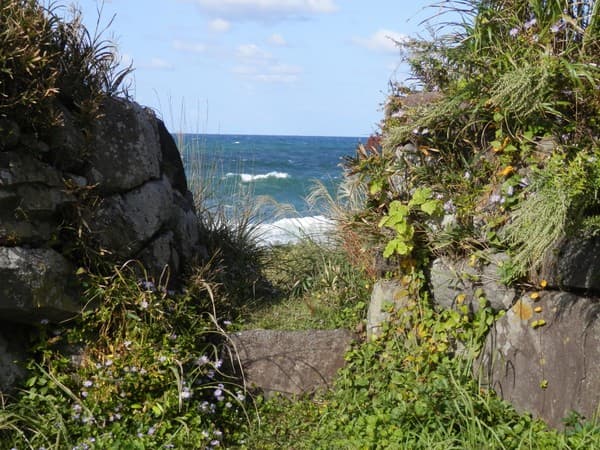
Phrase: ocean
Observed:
(275, 172)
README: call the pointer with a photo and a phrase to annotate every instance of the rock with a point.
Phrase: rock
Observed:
(290, 362)
(124, 223)
(36, 285)
(546, 368)
(10, 133)
(159, 253)
(13, 352)
(67, 142)
(574, 265)
(125, 151)
(172, 165)
(387, 296)
(453, 278)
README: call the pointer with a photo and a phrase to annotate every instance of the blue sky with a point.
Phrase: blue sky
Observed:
(295, 67)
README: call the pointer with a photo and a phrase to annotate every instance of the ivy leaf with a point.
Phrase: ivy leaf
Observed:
(376, 187)
(430, 207)
(420, 196)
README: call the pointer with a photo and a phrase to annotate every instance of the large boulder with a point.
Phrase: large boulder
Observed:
(290, 362)
(13, 352)
(542, 356)
(125, 152)
(387, 297)
(573, 265)
(119, 187)
(458, 282)
(36, 285)
(32, 197)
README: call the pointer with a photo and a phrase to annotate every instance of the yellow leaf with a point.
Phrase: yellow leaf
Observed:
(543, 284)
(538, 309)
(534, 296)
(460, 298)
(507, 171)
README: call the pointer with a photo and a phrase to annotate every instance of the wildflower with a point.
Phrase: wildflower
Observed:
(202, 360)
(44, 321)
(467, 175)
(108, 362)
(127, 344)
(147, 286)
(218, 433)
(510, 191)
(495, 198)
(241, 397)
(558, 26)
(84, 394)
(449, 207)
(514, 31)
(151, 430)
(218, 363)
(530, 23)
(218, 392)
(214, 443)
(144, 304)
(87, 383)
(227, 322)
(524, 182)
(228, 405)
(186, 393)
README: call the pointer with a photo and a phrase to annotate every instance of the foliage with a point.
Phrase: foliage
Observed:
(141, 369)
(398, 219)
(45, 58)
(412, 388)
(510, 88)
(315, 287)
(561, 196)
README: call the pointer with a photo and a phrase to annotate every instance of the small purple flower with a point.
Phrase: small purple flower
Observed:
(514, 32)
(495, 198)
(449, 207)
(87, 383)
(218, 393)
(202, 360)
(510, 191)
(558, 26)
(147, 286)
(151, 431)
(530, 23)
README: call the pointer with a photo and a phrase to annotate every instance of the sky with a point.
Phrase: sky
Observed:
(283, 67)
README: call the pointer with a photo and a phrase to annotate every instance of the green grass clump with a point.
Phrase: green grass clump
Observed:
(313, 287)
(46, 59)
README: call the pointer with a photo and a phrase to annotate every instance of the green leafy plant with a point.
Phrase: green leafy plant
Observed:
(399, 219)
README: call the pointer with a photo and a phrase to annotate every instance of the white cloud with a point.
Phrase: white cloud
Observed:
(219, 25)
(266, 9)
(252, 52)
(277, 39)
(259, 65)
(382, 41)
(156, 64)
(190, 47)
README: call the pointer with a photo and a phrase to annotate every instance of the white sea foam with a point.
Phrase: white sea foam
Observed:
(289, 231)
(248, 178)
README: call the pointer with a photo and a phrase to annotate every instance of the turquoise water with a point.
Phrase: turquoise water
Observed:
(282, 168)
